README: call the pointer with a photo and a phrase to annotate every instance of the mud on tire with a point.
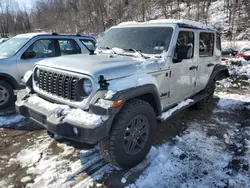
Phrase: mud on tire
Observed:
(131, 135)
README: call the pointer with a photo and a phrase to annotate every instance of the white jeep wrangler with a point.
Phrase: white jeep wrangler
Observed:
(139, 73)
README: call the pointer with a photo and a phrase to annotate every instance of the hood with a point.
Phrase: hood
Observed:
(110, 66)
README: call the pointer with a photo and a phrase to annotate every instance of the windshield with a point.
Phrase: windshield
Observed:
(149, 40)
(10, 47)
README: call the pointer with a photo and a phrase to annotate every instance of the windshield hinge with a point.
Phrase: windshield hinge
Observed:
(103, 83)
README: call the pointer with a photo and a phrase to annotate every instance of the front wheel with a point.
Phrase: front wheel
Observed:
(6, 95)
(131, 135)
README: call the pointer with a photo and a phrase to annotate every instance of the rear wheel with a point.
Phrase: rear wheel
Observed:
(131, 136)
(6, 95)
(202, 104)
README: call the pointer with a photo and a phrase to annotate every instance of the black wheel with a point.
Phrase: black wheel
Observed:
(202, 104)
(131, 135)
(6, 95)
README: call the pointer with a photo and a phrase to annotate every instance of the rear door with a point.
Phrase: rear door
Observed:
(68, 47)
(182, 79)
(206, 59)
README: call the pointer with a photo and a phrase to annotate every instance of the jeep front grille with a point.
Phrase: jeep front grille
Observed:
(58, 84)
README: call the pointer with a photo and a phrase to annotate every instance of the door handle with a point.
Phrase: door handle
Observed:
(193, 67)
(210, 65)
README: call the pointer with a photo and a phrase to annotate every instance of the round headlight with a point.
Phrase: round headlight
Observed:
(36, 74)
(87, 86)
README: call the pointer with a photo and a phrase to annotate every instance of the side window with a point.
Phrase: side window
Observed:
(90, 44)
(206, 44)
(68, 47)
(218, 43)
(185, 45)
(43, 48)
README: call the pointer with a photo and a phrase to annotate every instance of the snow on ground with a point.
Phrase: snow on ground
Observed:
(232, 101)
(239, 69)
(236, 45)
(59, 170)
(197, 159)
(5, 121)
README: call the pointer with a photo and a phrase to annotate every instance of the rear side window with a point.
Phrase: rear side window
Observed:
(206, 44)
(90, 44)
(218, 43)
(68, 47)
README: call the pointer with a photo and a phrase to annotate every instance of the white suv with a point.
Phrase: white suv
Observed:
(139, 72)
(20, 53)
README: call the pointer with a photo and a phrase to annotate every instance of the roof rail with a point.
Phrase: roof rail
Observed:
(54, 33)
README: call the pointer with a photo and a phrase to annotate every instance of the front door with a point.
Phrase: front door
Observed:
(183, 72)
(43, 48)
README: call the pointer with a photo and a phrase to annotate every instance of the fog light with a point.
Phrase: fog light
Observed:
(75, 130)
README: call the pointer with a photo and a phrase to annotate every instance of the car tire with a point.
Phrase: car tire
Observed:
(131, 135)
(202, 104)
(6, 95)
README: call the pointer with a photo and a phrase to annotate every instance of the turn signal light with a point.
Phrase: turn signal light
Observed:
(117, 103)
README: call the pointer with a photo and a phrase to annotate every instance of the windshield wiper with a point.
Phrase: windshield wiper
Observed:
(108, 48)
(137, 51)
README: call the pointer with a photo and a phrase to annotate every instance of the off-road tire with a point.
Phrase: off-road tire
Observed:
(113, 147)
(202, 104)
(4, 86)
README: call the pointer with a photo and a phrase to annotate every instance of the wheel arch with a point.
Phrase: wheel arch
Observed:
(9, 79)
(219, 72)
(148, 93)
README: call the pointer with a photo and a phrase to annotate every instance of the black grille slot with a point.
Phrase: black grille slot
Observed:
(58, 84)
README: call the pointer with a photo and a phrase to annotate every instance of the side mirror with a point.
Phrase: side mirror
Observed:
(29, 55)
(183, 52)
(91, 52)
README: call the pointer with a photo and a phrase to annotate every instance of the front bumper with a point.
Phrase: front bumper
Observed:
(57, 124)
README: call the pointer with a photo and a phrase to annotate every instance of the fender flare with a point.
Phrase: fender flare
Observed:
(148, 92)
(219, 72)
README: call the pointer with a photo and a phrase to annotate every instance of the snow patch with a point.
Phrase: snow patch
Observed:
(26, 179)
(168, 113)
(83, 118)
(195, 159)
(28, 157)
(104, 103)
(169, 21)
(181, 21)
(59, 170)
(128, 23)
(232, 101)
(51, 107)
(72, 115)
(5, 121)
